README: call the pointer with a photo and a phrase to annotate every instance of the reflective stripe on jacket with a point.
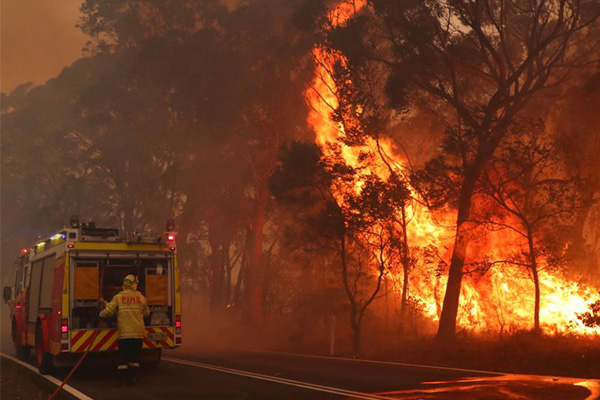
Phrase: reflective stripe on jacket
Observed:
(130, 307)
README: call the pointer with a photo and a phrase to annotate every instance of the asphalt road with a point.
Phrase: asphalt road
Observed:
(217, 375)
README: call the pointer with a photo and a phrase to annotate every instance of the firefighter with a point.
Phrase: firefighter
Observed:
(130, 307)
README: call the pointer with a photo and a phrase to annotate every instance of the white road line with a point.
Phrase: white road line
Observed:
(68, 388)
(283, 381)
(497, 373)
(360, 360)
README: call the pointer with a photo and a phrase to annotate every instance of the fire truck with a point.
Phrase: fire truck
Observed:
(61, 281)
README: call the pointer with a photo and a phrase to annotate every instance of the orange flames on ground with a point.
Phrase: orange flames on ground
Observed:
(499, 301)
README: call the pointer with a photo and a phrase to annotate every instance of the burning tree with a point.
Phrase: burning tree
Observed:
(354, 214)
(369, 222)
(591, 318)
(479, 63)
(536, 200)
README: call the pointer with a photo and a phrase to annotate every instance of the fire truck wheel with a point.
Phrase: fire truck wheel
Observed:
(43, 359)
(23, 352)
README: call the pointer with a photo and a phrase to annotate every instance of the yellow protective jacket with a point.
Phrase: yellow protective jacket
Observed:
(130, 307)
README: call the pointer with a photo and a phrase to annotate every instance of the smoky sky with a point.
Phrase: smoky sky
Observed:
(38, 39)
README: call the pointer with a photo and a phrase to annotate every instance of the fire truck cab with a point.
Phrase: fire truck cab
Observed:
(59, 283)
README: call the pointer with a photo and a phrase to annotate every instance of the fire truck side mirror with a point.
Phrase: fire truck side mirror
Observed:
(7, 294)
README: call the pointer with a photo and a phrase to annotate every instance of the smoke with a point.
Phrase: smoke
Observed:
(39, 38)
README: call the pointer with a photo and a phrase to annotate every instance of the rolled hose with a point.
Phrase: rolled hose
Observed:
(78, 364)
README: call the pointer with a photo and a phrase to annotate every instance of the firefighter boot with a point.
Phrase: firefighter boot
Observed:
(134, 373)
(122, 375)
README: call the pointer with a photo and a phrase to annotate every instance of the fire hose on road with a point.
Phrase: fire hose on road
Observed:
(80, 361)
(89, 347)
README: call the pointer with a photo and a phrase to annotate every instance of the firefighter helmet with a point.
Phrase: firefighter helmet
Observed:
(130, 280)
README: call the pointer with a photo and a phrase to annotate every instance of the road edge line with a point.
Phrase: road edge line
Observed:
(282, 381)
(68, 388)
(367, 361)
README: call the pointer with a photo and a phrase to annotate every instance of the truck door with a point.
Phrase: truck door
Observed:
(34, 291)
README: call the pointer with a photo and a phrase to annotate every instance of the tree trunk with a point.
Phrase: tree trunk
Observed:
(237, 290)
(387, 305)
(356, 327)
(447, 327)
(354, 323)
(405, 267)
(227, 260)
(216, 269)
(192, 273)
(254, 278)
(536, 282)
(536, 310)
(404, 306)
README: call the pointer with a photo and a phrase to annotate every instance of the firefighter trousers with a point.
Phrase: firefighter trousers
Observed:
(129, 352)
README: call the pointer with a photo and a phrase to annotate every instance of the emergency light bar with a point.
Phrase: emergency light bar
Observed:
(88, 232)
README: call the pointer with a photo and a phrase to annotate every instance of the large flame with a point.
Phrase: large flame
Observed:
(499, 300)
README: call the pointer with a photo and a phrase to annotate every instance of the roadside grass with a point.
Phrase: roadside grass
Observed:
(522, 353)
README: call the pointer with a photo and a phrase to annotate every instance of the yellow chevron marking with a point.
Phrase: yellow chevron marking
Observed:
(79, 345)
(109, 342)
(76, 346)
(153, 345)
